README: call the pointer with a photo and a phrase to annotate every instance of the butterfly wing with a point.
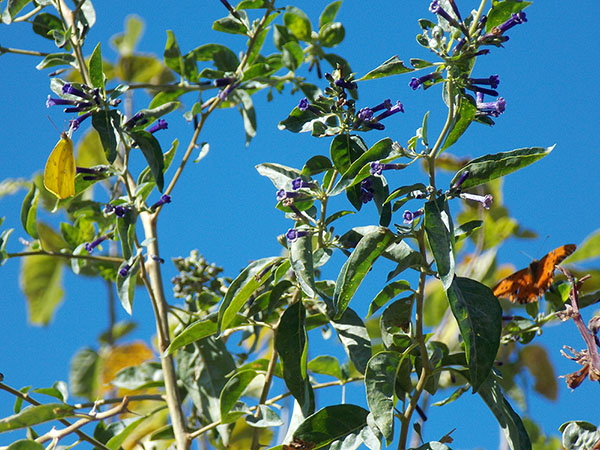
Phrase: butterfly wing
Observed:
(526, 285)
(59, 174)
(517, 287)
(544, 273)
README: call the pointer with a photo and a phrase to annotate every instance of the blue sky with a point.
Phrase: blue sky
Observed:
(226, 210)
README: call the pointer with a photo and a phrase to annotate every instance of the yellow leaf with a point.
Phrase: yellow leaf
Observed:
(59, 174)
(121, 357)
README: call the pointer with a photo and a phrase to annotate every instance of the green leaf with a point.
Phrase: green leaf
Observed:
(41, 282)
(464, 117)
(240, 290)
(393, 66)
(152, 152)
(501, 12)
(292, 346)
(115, 442)
(440, 235)
(329, 13)
(345, 150)
(536, 359)
(126, 232)
(126, 42)
(25, 444)
(465, 230)
(369, 248)
(326, 365)
(280, 176)
(232, 392)
(29, 211)
(489, 167)
(479, 318)
(331, 34)
(380, 380)
(359, 169)
(589, 249)
(267, 418)
(386, 294)
(3, 240)
(58, 390)
(301, 259)
(34, 415)
(353, 334)
(322, 124)
(106, 123)
(230, 25)
(316, 165)
(420, 63)
(143, 376)
(83, 373)
(44, 23)
(331, 423)
(56, 59)
(298, 23)
(172, 54)
(12, 9)
(579, 435)
(507, 418)
(126, 284)
(95, 66)
(192, 333)
(248, 113)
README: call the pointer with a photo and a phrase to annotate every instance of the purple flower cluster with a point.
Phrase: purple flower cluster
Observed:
(366, 116)
(366, 190)
(87, 101)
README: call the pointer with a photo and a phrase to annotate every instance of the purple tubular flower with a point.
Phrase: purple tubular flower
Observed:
(164, 199)
(365, 114)
(74, 123)
(59, 101)
(416, 83)
(293, 234)
(136, 120)
(461, 180)
(282, 194)
(515, 19)
(83, 106)
(161, 124)
(298, 183)
(482, 90)
(409, 216)
(120, 210)
(459, 45)
(222, 82)
(398, 107)
(387, 104)
(485, 200)
(377, 167)
(437, 9)
(124, 271)
(375, 125)
(491, 108)
(225, 92)
(303, 104)
(366, 190)
(493, 81)
(455, 9)
(346, 84)
(158, 259)
(91, 246)
(68, 88)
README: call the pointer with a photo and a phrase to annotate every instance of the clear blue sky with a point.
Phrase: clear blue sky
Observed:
(226, 210)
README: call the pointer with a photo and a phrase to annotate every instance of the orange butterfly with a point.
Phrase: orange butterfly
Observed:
(526, 285)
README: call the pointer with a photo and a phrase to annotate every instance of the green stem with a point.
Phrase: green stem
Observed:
(109, 259)
(265, 392)
(19, 51)
(426, 365)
